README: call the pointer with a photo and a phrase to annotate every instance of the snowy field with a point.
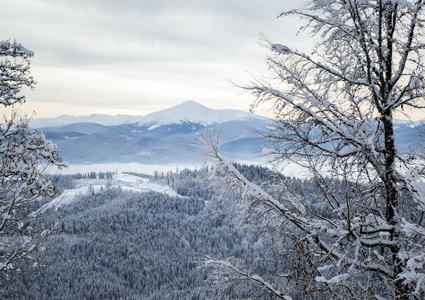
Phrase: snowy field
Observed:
(125, 181)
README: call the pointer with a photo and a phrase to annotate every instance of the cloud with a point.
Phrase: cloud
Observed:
(93, 52)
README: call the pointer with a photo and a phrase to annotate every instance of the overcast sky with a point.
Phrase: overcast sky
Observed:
(139, 56)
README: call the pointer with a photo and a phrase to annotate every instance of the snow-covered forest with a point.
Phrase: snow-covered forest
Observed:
(112, 242)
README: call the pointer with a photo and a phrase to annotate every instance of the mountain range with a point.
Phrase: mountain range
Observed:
(171, 135)
(163, 137)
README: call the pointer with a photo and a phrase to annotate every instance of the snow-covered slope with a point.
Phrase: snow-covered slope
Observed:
(125, 181)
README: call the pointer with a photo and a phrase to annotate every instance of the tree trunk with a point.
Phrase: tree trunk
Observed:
(391, 194)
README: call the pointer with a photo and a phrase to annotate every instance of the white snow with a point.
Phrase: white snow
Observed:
(417, 187)
(139, 184)
(280, 48)
(334, 280)
(192, 112)
(126, 182)
(64, 199)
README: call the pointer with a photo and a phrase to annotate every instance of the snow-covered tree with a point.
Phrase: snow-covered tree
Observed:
(25, 155)
(363, 234)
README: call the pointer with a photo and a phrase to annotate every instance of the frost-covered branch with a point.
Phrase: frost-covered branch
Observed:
(14, 72)
(25, 155)
(246, 276)
(334, 110)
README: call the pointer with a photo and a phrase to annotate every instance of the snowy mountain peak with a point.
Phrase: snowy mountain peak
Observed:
(193, 112)
(189, 104)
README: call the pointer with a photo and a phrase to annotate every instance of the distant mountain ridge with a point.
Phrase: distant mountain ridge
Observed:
(101, 119)
(167, 136)
(189, 111)
(171, 135)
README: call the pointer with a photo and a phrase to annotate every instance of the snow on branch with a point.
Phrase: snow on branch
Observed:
(14, 49)
(250, 189)
(309, 226)
(417, 186)
(14, 72)
(246, 276)
(281, 49)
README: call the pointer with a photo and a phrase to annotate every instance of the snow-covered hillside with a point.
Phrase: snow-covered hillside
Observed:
(193, 112)
(124, 181)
